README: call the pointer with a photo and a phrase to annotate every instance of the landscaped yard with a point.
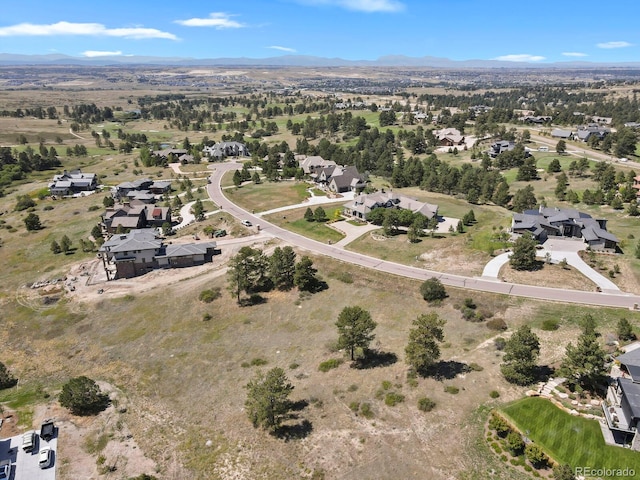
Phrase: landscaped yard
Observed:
(568, 439)
(266, 196)
(293, 220)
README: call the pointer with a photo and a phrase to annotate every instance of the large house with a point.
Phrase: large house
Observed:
(449, 137)
(565, 222)
(312, 164)
(362, 205)
(134, 215)
(143, 189)
(341, 179)
(226, 149)
(561, 133)
(585, 132)
(622, 406)
(73, 182)
(141, 251)
(169, 153)
(501, 146)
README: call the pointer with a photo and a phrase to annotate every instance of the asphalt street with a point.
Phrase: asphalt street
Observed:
(609, 299)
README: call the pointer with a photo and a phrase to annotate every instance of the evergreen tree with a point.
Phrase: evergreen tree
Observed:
(65, 244)
(422, 350)
(305, 275)
(282, 267)
(267, 401)
(521, 355)
(585, 363)
(55, 247)
(355, 329)
(308, 215)
(320, 215)
(524, 253)
(625, 330)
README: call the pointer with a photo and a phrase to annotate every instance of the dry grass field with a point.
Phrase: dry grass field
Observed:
(178, 379)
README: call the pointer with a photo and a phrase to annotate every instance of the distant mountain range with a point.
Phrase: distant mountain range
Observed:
(7, 59)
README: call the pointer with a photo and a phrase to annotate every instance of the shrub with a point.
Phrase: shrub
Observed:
(535, 455)
(432, 290)
(208, 296)
(515, 444)
(498, 424)
(550, 324)
(425, 404)
(497, 324)
(393, 398)
(93, 208)
(503, 458)
(365, 410)
(451, 389)
(82, 396)
(469, 303)
(473, 366)
(354, 406)
(343, 276)
(386, 384)
(330, 364)
(258, 362)
(7, 380)
(47, 207)
(206, 317)
(293, 366)
(494, 394)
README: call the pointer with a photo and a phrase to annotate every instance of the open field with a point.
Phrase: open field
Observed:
(180, 378)
(551, 428)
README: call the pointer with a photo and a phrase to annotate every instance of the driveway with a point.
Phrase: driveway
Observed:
(25, 465)
(351, 231)
(310, 202)
(609, 299)
(559, 249)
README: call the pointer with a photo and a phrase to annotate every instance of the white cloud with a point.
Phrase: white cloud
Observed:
(521, 57)
(68, 28)
(574, 54)
(283, 49)
(97, 53)
(216, 20)
(362, 5)
(614, 45)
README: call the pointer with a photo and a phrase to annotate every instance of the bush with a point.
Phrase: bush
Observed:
(365, 410)
(47, 207)
(6, 379)
(386, 384)
(425, 404)
(82, 396)
(208, 296)
(497, 324)
(354, 406)
(258, 362)
(494, 394)
(535, 455)
(330, 364)
(451, 389)
(500, 343)
(432, 290)
(391, 399)
(550, 324)
(515, 444)
(498, 424)
(293, 366)
(206, 317)
(473, 366)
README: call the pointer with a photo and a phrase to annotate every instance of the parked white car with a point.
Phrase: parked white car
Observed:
(44, 457)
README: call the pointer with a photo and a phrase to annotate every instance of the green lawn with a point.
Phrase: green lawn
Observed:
(573, 440)
(293, 220)
(268, 195)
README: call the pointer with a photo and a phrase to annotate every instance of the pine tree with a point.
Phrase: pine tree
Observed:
(422, 350)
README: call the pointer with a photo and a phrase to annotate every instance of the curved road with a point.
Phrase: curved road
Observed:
(607, 299)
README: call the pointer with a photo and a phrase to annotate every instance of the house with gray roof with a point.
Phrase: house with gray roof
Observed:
(143, 189)
(501, 146)
(586, 131)
(141, 251)
(565, 222)
(561, 133)
(222, 150)
(134, 215)
(362, 205)
(312, 164)
(70, 183)
(622, 405)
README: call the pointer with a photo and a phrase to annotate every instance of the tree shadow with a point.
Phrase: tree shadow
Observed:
(544, 372)
(374, 359)
(447, 370)
(298, 405)
(254, 299)
(297, 431)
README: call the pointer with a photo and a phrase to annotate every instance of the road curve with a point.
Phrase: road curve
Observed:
(606, 299)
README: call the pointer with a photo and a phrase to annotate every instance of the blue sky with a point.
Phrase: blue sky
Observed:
(542, 31)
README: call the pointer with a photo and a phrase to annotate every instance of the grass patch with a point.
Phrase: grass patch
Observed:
(330, 364)
(567, 439)
(293, 220)
(452, 389)
(269, 195)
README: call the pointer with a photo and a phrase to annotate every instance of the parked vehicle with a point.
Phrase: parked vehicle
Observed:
(219, 233)
(47, 430)
(29, 441)
(247, 223)
(44, 457)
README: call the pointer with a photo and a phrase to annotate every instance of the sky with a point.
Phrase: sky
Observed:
(543, 31)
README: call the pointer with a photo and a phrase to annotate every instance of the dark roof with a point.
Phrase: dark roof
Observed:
(631, 360)
(631, 392)
(186, 250)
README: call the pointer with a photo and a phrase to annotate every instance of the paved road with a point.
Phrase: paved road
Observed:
(543, 293)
